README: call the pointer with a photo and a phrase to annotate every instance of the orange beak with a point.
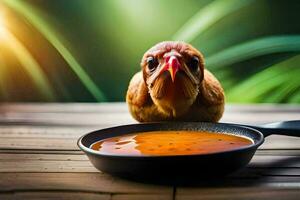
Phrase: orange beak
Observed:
(172, 65)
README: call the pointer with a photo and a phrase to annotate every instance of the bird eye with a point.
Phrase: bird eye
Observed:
(194, 63)
(152, 63)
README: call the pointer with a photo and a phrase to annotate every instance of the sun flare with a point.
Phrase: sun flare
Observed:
(3, 29)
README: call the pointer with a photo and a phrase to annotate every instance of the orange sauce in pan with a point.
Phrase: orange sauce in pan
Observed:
(160, 143)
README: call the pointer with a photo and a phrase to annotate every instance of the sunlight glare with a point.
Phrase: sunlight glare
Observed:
(3, 30)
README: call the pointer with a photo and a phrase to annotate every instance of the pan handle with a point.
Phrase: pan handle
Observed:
(290, 128)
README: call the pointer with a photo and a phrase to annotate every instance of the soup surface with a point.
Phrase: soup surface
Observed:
(170, 143)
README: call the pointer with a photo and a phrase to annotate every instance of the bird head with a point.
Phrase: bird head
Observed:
(173, 72)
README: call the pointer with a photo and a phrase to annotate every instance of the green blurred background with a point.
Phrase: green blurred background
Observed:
(87, 50)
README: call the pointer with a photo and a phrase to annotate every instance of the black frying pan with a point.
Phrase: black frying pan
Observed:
(214, 164)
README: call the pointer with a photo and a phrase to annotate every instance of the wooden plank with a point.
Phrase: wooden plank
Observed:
(80, 182)
(102, 183)
(264, 161)
(44, 131)
(46, 151)
(41, 157)
(265, 172)
(281, 142)
(7, 196)
(55, 195)
(45, 163)
(39, 143)
(236, 193)
(278, 152)
(141, 197)
(63, 107)
(261, 165)
(229, 193)
(94, 119)
(71, 119)
(262, 107)
(258, 118)
(81, 196)
(117, 113)
(122, 107)
(47, 138)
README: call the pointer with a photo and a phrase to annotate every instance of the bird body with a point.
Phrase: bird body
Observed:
(174, 86)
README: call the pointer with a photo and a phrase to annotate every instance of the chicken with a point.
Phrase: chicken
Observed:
(174, 86)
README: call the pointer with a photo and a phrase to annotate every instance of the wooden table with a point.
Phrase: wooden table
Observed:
(39, 158)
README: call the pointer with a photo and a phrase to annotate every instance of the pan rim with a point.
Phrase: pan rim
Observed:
(88, 150)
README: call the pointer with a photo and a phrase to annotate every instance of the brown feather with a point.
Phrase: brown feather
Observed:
(188, 88)
(158, 88)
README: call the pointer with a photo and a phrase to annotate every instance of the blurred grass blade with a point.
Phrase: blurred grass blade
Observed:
(285, 90)
(206, 17)
(3, 80)
(30, 65)
(270, 85)
(295, 98)
(254, 48)
(35, 18)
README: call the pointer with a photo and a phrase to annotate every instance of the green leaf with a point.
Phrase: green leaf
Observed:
(31, 66)
(273, 84)
(35, 18)
(254, 48)
(206, 17)
(295, 98)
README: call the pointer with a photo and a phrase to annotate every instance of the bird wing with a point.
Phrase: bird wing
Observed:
(209, 105)
(211, 91)
(139, 101)
(137, 93)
